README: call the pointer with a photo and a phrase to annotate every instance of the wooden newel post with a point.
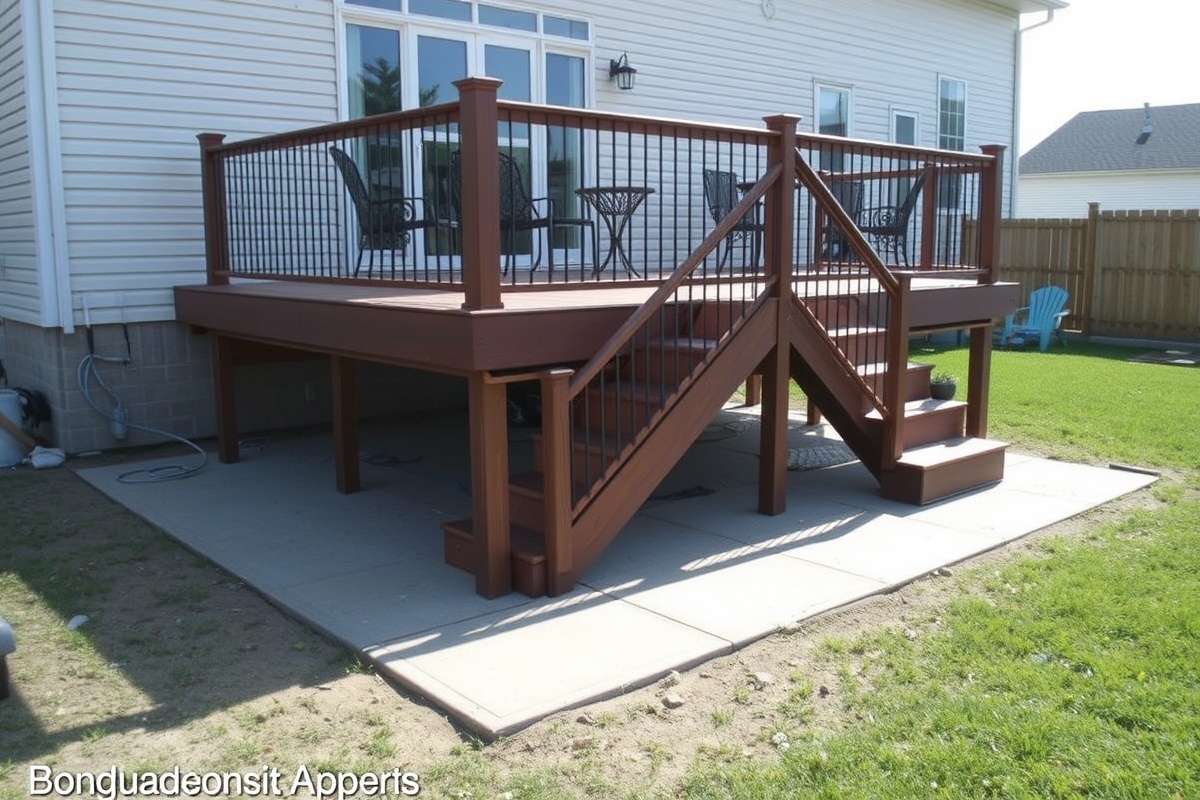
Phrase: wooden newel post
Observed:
(894, 382)
(212, 187)
(778, 255)
(480, 223)
(991, 201)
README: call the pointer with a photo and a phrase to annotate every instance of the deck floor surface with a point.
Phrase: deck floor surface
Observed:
(696, 574)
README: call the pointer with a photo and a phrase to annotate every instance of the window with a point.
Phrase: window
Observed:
(952, 135)
(952, 114)
(833, 119)
(406, 59)
(905, 127)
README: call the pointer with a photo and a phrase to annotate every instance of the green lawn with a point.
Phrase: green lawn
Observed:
(1071, 674)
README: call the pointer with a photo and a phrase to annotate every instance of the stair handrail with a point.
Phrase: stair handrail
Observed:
(891, 404)
(622, 336)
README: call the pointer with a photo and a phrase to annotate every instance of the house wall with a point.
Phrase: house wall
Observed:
(1067, 196)
(136, 80)
(20, 290)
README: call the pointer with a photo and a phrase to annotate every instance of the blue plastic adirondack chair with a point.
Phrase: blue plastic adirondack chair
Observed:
(1041, 318)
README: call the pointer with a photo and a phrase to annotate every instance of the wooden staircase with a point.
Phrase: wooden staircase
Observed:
(938, 460)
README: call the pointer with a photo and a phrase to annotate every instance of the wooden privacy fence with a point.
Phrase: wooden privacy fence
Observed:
(1130, 274)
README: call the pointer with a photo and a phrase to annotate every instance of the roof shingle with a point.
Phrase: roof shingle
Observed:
(1103, 141)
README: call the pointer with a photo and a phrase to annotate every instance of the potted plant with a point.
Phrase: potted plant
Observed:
(942, 386)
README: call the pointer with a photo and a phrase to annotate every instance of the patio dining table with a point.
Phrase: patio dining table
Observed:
(615, 205)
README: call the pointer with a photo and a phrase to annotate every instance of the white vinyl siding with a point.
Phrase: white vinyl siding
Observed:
(137, 80)
(20, 292)
(1067, 196)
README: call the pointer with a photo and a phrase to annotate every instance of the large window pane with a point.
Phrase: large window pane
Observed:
(373, 60)
(440, 62)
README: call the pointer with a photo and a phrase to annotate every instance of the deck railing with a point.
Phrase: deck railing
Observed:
(442, 191)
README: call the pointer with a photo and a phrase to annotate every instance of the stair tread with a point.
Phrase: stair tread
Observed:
(879, 367)
(524, 542)
(949, 450)
(915, 408)
(855, 330)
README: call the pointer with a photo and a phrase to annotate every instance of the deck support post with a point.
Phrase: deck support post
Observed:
(225, 398)
(557, 497)
(345, 424)
(480, 223)
(777, 259)
(489, 484)
(979, 370)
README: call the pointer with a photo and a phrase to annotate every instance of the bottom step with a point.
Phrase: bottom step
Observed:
(528, 554)
(941, 469)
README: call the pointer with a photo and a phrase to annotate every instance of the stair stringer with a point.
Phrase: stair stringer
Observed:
(644, 467)
(825, 379)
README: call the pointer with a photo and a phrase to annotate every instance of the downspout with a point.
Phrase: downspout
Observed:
(45, 166)
(1014, 165)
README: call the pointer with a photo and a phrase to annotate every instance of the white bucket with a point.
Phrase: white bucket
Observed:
(11, 452)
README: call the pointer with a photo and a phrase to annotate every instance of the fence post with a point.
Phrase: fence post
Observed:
(778, 255)
(212, 188)
(991, 201)
(1090, 234)
(479, 227)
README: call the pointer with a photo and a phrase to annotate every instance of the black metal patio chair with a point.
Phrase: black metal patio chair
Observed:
(888, 226)
(722, 192)
(520, 212)
(849, 194)
(384, 222)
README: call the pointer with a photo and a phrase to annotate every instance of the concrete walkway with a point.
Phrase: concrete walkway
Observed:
(696, 574)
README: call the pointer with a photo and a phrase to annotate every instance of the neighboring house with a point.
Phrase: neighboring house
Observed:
(1135, 158)
(100, 202)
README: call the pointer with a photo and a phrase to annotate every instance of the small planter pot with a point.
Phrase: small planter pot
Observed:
(942, 391)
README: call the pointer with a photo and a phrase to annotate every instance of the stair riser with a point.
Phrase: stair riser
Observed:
(528, 573)
(916, 385)
(836, 312)
(945, 423)
(587, 463)
(864, 348)
(915, 485)
(625, 413)
(667, 366)
(526, 508)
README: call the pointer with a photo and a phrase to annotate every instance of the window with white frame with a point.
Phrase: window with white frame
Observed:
(401, 54)
(833, 119)
(952, 134)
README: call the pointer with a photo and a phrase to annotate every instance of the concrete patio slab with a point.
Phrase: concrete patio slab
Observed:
(695, 574)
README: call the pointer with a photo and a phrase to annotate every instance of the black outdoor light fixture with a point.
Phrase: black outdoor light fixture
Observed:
(622, 72)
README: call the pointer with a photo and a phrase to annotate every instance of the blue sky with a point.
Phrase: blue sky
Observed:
(1106, 54)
